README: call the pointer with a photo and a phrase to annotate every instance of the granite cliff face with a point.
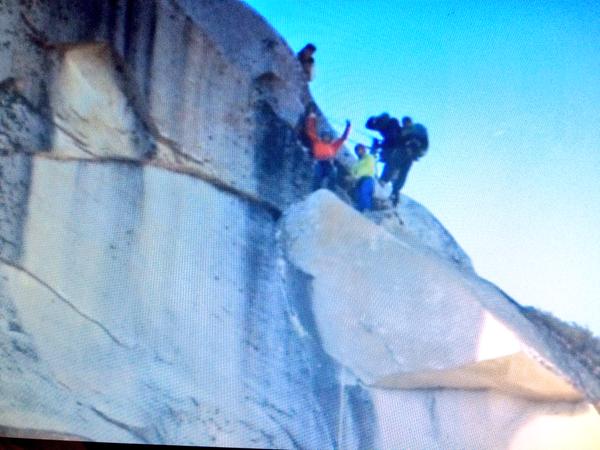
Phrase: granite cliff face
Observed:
(165, 279)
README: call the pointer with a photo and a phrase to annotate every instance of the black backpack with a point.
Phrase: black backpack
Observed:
(417, 142)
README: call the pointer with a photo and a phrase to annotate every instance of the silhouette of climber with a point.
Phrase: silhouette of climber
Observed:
(305, 56)
(401, 146)
(414, 138)
(324, 151)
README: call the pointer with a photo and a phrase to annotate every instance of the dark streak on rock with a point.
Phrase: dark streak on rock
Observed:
(15, 327)
(148, 26)
(36, 36)
(129, 30)
(282, 169)
(25, 350)
(433, 419)
(15, 176)
(80, 144)
(131, 430)
(267, 436)
(286, 432)
(5, 241)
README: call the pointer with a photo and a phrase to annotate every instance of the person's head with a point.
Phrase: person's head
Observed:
(360, 150)
(407, 121)
(310, 48)
(379, 122)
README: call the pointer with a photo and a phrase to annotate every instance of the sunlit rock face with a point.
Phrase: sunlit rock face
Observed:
(431, 341)
(151, 292)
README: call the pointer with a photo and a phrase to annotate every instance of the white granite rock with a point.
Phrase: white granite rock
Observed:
(150, 293)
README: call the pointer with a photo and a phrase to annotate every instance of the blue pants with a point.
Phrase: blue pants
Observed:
(324, 170)
(363, 193)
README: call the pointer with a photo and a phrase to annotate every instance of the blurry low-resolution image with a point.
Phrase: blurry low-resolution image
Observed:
(300, 224)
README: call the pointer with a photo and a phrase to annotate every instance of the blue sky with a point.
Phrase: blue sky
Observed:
(510, 93)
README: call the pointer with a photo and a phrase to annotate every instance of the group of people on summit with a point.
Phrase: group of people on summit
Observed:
(401, 144)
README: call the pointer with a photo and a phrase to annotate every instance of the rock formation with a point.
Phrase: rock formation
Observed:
(165, 279)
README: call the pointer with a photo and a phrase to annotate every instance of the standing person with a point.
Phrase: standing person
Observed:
(413, 143)
(324, 151)
(400, 147)
(305, 56)
(393, 153)
(414, 137)
(363, 172)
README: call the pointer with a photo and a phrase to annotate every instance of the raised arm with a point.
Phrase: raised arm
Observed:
(340, 141)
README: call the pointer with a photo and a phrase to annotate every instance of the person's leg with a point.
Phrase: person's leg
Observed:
(399, 181)
(365, 193)
(386, 173)
(392, 176)
(356, 194)
(331, 175)
(318, 175)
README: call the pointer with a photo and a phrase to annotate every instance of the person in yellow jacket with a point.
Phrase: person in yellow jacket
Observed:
(363, 172)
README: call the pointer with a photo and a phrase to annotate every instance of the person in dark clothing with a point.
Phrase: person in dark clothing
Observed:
(393, 153)
(305, 56)
(396, 171)
(415, 139)
(401, 146)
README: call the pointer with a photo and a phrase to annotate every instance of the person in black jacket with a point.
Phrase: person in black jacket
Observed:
(401, 145)
(307, 61)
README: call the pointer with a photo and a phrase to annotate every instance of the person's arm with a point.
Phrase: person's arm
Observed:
(311, 127)
(340, 141)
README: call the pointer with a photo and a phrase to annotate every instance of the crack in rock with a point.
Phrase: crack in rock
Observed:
(137, 433)
(193, 172)
(67, 302)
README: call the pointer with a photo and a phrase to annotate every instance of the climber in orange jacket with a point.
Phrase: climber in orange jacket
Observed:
(324, 151)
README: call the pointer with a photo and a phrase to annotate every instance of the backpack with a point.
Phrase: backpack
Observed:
(417, 142)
